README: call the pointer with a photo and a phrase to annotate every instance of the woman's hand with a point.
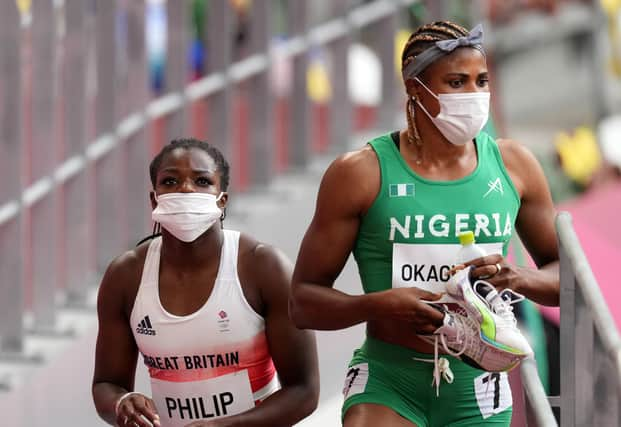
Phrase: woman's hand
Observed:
(136, 410)
(410, 305)
(494, 269)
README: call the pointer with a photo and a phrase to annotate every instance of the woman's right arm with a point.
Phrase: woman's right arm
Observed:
(116, 353)
(347, 190)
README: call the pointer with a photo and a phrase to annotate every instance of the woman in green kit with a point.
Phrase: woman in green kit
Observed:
(398, 204)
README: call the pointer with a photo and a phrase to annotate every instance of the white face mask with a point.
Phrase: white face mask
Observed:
(187, 215)
(462, 115)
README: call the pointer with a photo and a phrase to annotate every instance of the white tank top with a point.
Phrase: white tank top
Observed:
(212, 363)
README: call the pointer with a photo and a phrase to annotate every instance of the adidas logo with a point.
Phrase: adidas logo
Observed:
(144, 327)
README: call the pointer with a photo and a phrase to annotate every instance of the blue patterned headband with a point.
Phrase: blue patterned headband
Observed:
(441, 48)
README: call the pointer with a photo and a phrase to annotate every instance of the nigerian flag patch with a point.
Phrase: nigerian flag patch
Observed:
(401, 190)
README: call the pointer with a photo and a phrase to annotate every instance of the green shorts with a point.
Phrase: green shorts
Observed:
(387, 374)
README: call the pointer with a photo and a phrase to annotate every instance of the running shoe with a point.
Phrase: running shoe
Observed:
(492, 311)
(460, 337)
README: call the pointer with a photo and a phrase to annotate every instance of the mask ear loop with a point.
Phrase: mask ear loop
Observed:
(426, 88)
(422, 107)
(157, 231)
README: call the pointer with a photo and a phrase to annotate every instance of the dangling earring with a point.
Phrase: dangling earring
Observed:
(413, 136)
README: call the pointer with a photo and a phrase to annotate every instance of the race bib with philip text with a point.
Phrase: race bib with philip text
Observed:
(180, 403)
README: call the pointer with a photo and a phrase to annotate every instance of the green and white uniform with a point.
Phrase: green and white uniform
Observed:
(408, 238)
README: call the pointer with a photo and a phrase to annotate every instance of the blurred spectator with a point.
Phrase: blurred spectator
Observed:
(502, 11)
(198, 37)
(241, 9)
(156, 34)
(580, 156)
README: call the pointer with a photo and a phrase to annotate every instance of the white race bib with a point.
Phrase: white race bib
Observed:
(180, 403)
(493, 393)
(427, 266)
(356, 380)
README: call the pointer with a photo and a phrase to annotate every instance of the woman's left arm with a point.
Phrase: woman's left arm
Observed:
(535, 226)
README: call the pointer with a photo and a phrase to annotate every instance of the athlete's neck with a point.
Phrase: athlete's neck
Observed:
(435, 155)
(438, 147)
(202, 251)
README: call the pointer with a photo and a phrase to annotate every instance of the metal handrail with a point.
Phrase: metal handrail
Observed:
(589, 338)
(602, 319)
(536, 394)
(579, 291)
(173, 101)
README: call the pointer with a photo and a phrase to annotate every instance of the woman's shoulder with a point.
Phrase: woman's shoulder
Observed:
(355, 162)
(131, 262)
(264, 272)
(521, 163)
(358, 172)
(122, 277)
(515, 153)
(259, 256)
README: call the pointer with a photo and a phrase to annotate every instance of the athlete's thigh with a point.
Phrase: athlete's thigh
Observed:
(475, 398)
(373, 415)
(385, 378)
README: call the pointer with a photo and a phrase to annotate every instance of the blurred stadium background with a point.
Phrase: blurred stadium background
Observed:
(91, 89)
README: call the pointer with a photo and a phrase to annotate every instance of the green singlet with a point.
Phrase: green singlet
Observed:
(408, 238)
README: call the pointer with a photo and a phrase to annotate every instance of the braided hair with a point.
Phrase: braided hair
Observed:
(419, 41)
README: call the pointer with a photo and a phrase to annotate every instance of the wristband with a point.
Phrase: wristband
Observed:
(118, 402)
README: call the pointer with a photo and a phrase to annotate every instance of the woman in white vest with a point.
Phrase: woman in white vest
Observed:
(205, 309)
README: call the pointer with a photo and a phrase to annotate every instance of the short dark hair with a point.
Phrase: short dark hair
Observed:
(187, 143)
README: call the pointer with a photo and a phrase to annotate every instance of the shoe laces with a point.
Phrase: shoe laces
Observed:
(466, 334)
(441, 368)
(462, 340)
(500, 302)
